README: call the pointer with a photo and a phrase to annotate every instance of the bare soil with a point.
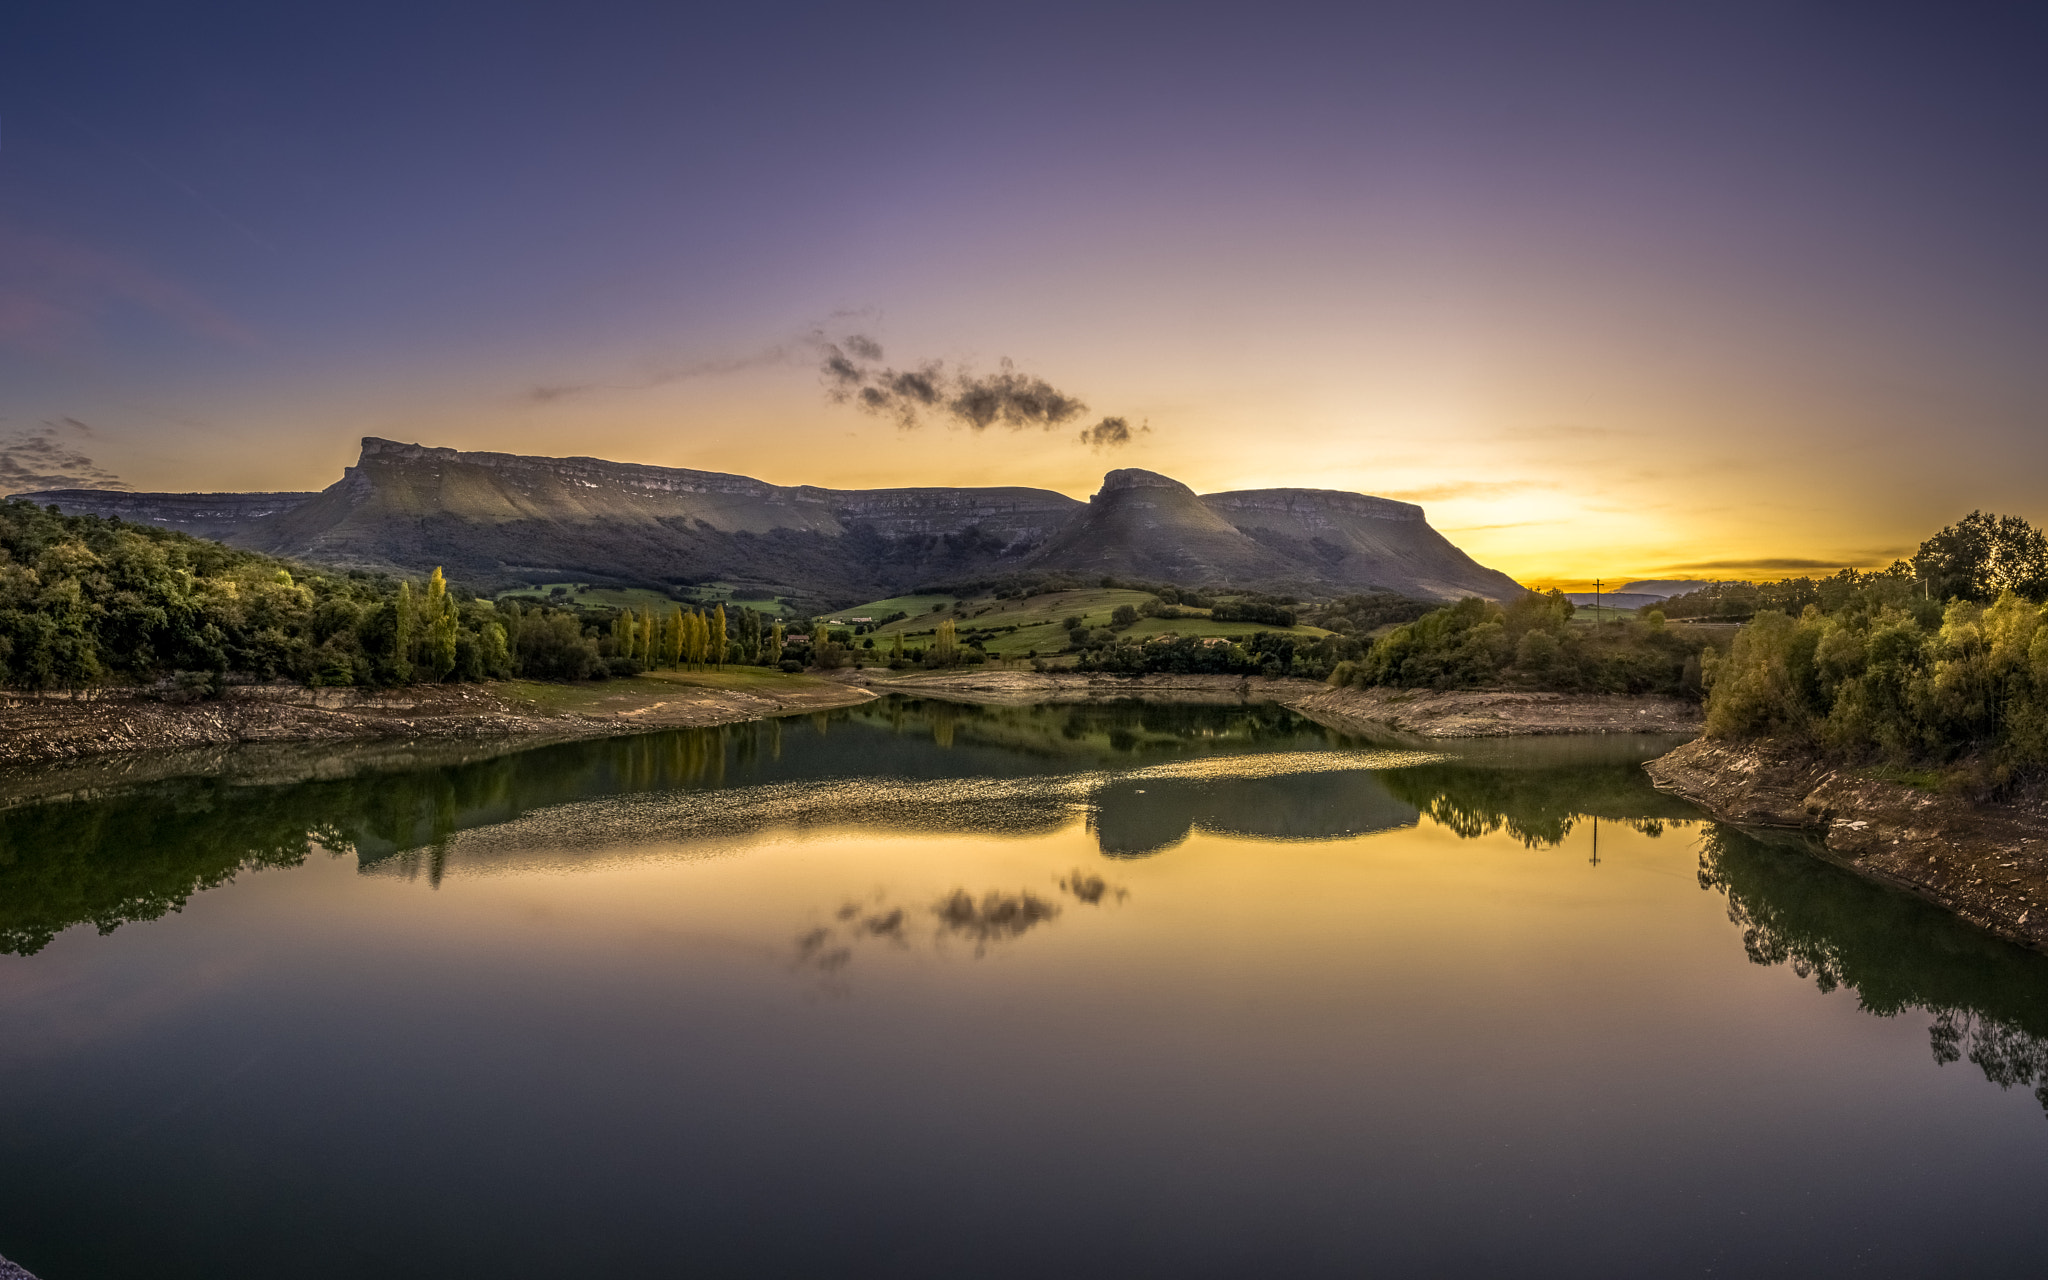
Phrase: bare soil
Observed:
(1986, 862)
(40, 729)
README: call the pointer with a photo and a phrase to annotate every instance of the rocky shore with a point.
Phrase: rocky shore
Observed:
(43, 729)
(1987, 863)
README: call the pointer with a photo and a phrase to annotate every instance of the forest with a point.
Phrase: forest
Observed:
(86, 601)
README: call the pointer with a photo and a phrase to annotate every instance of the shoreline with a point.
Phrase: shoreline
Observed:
(115, 726)
(1394, 715)
(1986, 863)
(43, 729)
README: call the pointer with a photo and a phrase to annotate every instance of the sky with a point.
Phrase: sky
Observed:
(1616, 291)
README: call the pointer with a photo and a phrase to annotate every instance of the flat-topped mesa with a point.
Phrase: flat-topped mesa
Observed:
(1128, 478)
(204, 515)
(381, 454)
(504, 519)
(1298, 502)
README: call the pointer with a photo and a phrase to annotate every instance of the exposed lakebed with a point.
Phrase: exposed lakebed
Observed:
(921, 988)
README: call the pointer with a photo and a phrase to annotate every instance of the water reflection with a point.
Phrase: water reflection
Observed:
(1988, 999)
(1538, 806)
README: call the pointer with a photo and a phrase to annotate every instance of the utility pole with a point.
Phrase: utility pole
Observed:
(1596, 602)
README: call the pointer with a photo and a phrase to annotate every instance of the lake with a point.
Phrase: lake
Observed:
(924, 989)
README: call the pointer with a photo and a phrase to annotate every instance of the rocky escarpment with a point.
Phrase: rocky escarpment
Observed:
(203, 515)
(1358, 539)
(1988, 863)
(498, 519)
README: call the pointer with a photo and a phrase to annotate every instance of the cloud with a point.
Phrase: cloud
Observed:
(1111, 433)
(1467, 489)
(39, 458)
(54, 292)
(662, 374)
(1782, 562)
(853, 374)
(1564, 431)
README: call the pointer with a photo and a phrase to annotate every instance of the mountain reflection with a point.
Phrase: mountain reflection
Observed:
(1988, 999)
(110, 849)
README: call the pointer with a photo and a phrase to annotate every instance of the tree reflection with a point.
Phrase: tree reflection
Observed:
(1537, 806)
(1988, 998)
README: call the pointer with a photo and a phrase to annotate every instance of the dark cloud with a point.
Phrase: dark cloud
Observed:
(853, 374)
(1110, 433)
(1014, 399)
(40, 458)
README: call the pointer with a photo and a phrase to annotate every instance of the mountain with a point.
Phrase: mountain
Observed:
(497, 519)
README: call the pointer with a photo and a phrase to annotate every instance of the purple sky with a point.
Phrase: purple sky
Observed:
(1611, 289)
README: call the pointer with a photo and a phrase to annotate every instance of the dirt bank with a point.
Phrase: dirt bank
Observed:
(36, 729)
(1988, 863)
(1491, 713)
(1408, 714)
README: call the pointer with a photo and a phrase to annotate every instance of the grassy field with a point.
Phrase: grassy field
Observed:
(706, 594)
(1037, 620)
(915, 606)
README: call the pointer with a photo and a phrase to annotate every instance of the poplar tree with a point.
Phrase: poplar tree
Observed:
(437, 616)
(718, 636)
(775, 645)
(401, 655)
(672, 648)
(943, 642)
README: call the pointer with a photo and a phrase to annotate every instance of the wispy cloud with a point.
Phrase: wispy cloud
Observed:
(54, 291)
(42, 458)
(1787, 563)
(1565, 431)
(793, 352)
(1467, 489)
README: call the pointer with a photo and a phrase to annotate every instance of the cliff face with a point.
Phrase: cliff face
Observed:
(204, 515)
(499, 519)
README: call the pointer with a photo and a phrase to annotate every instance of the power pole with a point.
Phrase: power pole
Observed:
(1596, 602)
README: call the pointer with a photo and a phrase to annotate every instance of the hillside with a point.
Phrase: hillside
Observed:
(504, 520)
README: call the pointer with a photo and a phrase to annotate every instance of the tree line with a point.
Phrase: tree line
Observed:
(1529, 643)
(1940, 663)
(86, 601)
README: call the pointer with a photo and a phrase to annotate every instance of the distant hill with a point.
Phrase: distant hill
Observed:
(1614, 599)
(499, 520)
(1663, 588)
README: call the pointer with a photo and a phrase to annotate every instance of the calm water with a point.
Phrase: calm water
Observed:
(919, 989)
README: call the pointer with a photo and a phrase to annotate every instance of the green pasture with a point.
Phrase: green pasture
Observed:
(1038, 620)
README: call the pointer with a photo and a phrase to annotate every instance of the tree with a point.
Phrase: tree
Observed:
(1981, 556)
(718, 636)
(945, 644)
(438, 627)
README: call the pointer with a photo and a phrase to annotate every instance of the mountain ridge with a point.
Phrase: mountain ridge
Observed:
(499, 519)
